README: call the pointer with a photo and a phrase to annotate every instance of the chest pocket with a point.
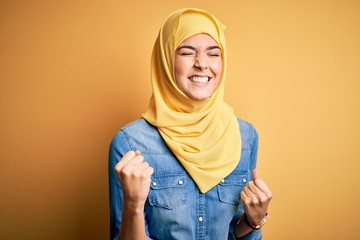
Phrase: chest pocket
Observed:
(229, 188)
(168, 190)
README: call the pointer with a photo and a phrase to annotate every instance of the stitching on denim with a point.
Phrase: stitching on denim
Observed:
(170, 174)
(147, 151)
(253, 136)
(246, 126)
(127, 139)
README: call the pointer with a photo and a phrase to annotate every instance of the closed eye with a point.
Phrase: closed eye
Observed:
(214, 51)
(186, 50)
(187, 53)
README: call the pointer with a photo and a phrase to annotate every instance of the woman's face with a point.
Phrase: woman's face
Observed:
(198, 66)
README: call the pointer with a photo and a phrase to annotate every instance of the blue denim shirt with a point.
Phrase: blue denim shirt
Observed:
(175, 208)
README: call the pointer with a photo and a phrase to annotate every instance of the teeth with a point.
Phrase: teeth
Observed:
(199, 79)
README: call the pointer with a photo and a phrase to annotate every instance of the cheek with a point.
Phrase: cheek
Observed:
(179, 67)
(217, 69)
(220, 71)
(178, 77)
(180, 74)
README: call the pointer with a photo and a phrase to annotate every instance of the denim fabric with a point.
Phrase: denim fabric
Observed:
(175, 208)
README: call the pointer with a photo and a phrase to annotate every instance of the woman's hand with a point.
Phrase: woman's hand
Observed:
(134, 176)
(256, 197)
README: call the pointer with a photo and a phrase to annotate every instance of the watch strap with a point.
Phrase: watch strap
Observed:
(259, 225)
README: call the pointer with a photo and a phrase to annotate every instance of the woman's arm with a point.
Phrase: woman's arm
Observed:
(134, 177)
(255, 197)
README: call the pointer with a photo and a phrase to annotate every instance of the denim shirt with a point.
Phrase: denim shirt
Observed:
(175, 208)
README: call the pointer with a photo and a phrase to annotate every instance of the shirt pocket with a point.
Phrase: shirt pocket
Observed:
(229, 188)
(167, 190)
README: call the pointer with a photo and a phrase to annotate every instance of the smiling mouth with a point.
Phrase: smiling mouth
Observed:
(199, 79)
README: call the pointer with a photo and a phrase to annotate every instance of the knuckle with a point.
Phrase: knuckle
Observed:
(242, 195)
(137, 174)
(144, 176)
(140, 157)
(255, 201)
(125, 171)
(118, 167)
(151, 170)
(263, 199)
(247, 202)
(270, 195)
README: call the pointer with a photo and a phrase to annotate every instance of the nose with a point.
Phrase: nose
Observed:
(200, 62)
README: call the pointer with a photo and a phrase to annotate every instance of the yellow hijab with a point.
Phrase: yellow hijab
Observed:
(203, 135)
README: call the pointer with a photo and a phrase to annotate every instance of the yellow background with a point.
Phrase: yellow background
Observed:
(73, 72)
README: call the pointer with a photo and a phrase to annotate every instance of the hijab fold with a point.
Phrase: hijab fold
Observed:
(203, 135)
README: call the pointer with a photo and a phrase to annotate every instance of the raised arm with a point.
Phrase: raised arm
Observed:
(255, 197)
(134, 177)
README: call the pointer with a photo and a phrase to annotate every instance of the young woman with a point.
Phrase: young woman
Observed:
(186, 169)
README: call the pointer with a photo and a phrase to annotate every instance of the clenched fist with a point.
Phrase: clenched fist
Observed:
(134, 177)
(256, 197)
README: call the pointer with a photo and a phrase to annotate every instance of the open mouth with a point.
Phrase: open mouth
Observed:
(199, 79)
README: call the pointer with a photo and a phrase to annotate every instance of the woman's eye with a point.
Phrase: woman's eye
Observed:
(187, 54)
(214, 54)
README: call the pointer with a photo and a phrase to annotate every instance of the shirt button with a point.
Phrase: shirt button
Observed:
(154, 183)
(180, 182)
(244, 179)
(223, 180)
(200, 219)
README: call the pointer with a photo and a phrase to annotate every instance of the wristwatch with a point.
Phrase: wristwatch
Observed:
(255, 227)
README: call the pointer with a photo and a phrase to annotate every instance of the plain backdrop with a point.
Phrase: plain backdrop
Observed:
(73, 72)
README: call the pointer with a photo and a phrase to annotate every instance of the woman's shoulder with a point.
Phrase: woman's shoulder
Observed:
(140, 135)
(139, 124)
(139, 128)
(248, 132)
(245, 125)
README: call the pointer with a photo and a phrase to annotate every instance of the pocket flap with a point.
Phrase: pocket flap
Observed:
(160, 181)
(229, 188)
(238, 177)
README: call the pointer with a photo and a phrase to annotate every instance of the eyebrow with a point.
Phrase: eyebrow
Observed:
(194, 49)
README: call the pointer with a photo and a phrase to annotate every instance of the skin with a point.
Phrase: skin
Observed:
(196, 58)
(134, 176)
(255, 198)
